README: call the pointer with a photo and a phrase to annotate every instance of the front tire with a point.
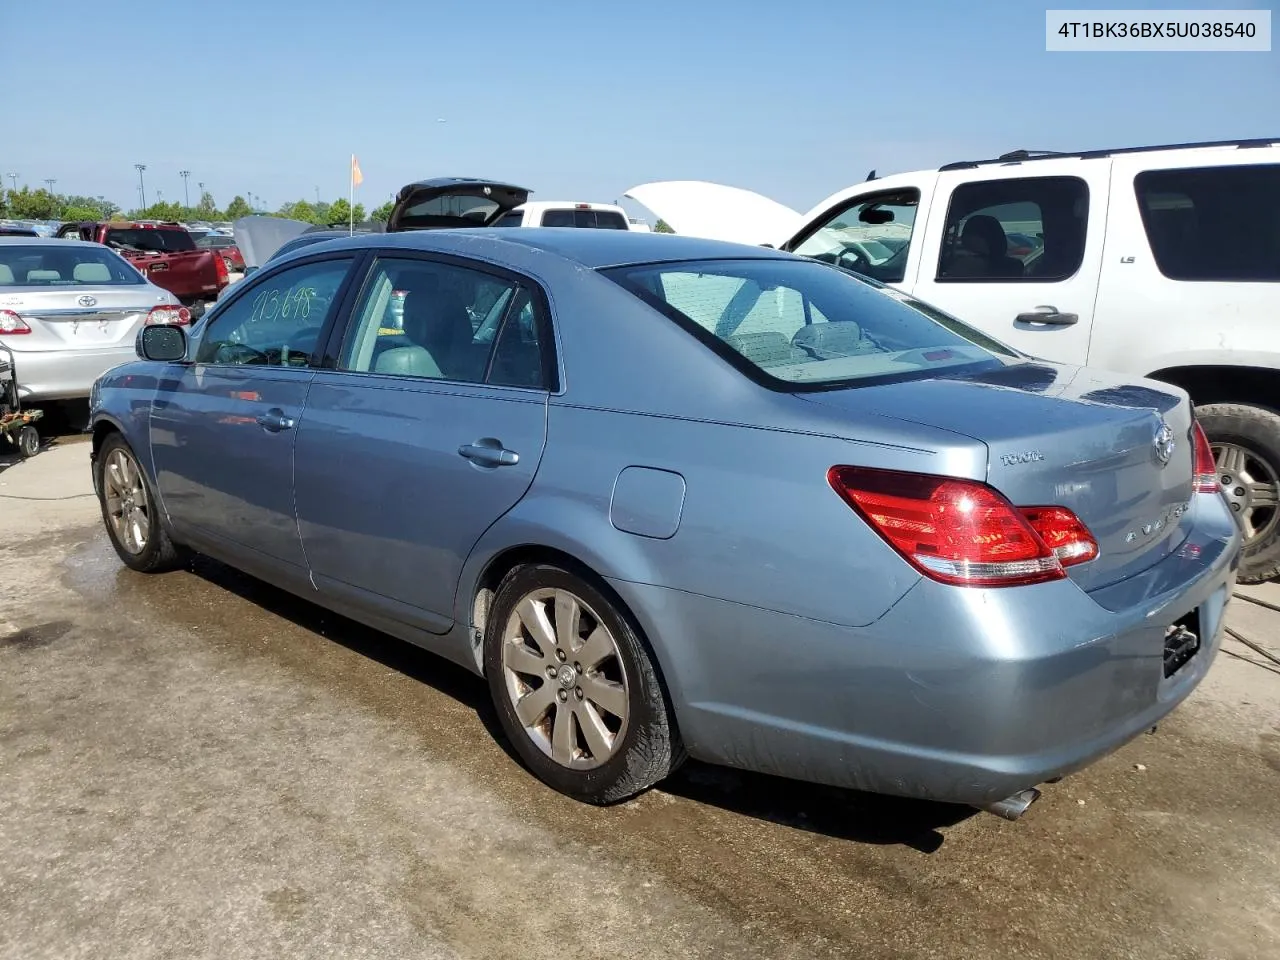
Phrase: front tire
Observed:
(1246, 446)
(130, 513)
(575, 687)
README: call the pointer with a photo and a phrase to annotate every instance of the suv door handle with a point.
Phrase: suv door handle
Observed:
(1047, 316)
(274, 420)
(489, 452)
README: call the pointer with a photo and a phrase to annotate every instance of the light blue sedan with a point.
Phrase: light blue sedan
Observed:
(674, 497)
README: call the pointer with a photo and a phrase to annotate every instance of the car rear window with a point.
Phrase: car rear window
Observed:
(149, 241)
(1213, 223)
(54, 265)
(593, 219)
(797, 324)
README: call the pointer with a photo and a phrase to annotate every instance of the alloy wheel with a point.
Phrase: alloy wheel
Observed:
(1252, 488)
(128, 511)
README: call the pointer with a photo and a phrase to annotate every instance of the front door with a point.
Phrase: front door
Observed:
(429, 428)
(223, 431)
(1016, 250)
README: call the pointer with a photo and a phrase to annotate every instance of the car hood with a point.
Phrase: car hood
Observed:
(713, 211)
(259, 237)
(446, 202)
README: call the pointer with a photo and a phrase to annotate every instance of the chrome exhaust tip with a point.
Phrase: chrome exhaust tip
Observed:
(1011, 808)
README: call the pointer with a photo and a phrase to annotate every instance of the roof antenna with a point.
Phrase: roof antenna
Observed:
(871, 175)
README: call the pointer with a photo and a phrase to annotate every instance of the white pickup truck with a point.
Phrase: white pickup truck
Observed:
(1157, 261)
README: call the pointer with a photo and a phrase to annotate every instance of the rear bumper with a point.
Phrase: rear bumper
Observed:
(959, 695)
(45, 375)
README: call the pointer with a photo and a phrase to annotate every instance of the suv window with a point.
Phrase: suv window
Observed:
(596, 219)
(1028, 229)
(439, 321)
(277, 321)
(513, 219)
(151, 241)
(871, 236)
(1213, 223)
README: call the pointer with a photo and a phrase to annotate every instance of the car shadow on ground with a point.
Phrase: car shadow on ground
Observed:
(830, 811)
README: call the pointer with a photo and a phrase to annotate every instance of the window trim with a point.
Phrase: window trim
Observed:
(542, 306)
(750, 370)
(243, 288)
(1139, 200)
(946, 220)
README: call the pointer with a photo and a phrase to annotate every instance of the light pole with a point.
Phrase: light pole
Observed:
(186, 197)
(142, 187)
(13, 178)
(50, 182)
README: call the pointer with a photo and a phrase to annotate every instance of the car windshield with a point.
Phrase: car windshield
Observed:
(54, 265)
(805, 323)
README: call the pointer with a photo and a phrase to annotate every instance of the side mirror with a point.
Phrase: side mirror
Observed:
(162, 342)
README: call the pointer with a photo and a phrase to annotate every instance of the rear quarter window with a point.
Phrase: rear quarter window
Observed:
(590, 219)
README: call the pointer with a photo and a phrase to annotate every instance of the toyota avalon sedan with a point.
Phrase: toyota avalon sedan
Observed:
(673, 497)
(70, 310)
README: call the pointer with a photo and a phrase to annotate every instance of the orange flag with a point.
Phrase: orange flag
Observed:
(357, 177)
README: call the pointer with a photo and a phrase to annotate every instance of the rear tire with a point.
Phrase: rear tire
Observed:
(28, 442)
(129, 512)
(593, 721)
(1246, 445)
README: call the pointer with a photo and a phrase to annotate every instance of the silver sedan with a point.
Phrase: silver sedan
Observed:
(70, 311)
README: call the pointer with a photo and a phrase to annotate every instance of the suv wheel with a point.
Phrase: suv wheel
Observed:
(1246, 447)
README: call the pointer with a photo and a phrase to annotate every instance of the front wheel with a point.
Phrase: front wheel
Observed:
(28, 442)
(1246, 447)
(575, 687)
(129, 511)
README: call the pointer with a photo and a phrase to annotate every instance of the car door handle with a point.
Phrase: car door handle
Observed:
(1047, 316)
(274, 420)
(490, 453)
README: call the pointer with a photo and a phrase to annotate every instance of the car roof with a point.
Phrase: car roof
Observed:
(590, 248)
(48, 242)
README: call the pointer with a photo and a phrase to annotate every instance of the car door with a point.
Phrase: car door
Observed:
(1016, 250)
(427, 425)
(222, 432)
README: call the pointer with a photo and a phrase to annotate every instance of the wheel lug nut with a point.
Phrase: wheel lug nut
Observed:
(1235, 507)
(560, 656)
(563, 695)
(551, 672)
(1239, 491)
(577, 692)
(577, 666)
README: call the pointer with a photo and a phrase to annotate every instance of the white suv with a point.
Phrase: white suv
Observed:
(1156, 261)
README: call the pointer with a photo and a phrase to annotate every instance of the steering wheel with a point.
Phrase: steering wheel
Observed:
(854, 260)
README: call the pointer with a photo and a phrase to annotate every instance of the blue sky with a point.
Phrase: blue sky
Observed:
(576, 100)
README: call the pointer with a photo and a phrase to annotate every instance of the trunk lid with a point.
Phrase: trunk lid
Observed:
(76, 318)
(191, 275)
(452, 202)
(713, 211)
(1070, 437)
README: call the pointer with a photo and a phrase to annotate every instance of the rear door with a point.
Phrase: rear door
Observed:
(1016, 250)
(223, 427)
(426, 426)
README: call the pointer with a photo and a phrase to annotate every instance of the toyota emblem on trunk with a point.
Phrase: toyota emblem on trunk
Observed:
(87, 301)
(1163, 444)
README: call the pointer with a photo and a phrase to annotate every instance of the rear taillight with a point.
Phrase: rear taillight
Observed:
(168, 313)
(11, 324)
(1206, 469)
(220, 265)
(963, 532)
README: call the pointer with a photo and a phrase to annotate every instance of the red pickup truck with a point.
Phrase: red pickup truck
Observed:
(164, 253)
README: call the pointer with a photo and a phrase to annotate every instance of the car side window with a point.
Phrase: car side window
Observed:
(278, 322)
(440, 321)
(871, 236)
(1028, 229)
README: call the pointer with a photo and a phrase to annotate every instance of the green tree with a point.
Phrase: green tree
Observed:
(73, 213)
(383, 213)
(339, 212)
(237, 208)
(102, 207)
(160, 211)
(299, 210)
(662, 227)
(206, 209)
(31, 204)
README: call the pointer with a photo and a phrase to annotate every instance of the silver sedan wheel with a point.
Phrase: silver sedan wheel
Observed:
(565, 678)
(128, 511)
(1252, 488)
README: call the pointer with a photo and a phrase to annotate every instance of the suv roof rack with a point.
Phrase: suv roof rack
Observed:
(1021, 156)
